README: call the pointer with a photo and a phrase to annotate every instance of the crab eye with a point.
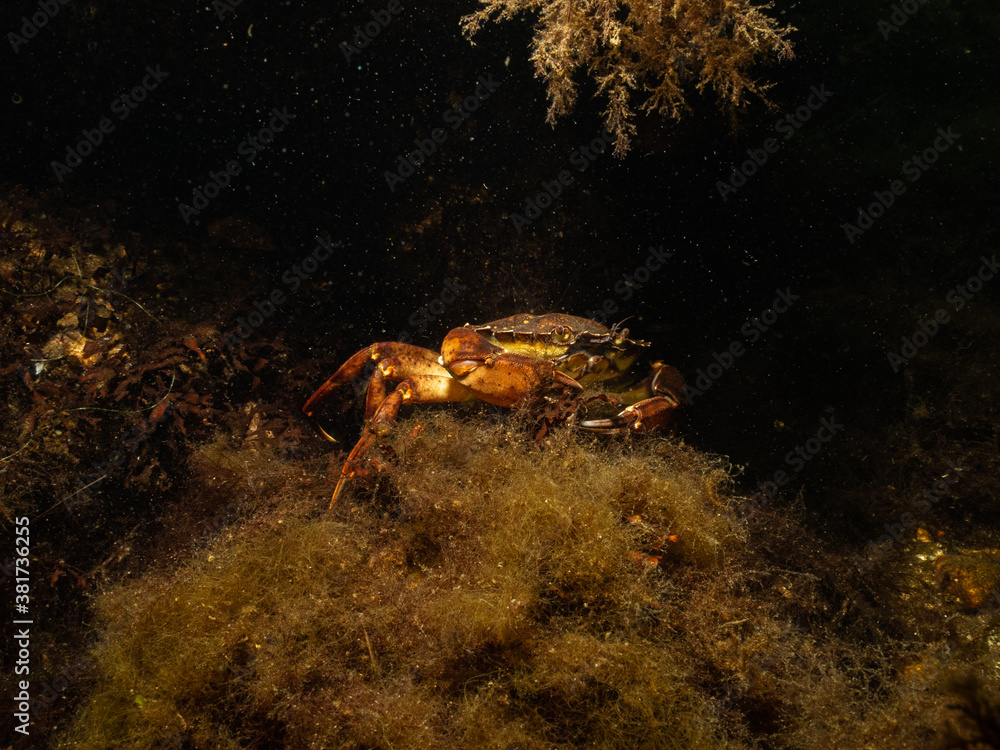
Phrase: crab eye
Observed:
(562, 335)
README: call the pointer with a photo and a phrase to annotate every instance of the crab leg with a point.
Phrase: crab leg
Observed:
(424, 387)
(397, 368)
(356, 365)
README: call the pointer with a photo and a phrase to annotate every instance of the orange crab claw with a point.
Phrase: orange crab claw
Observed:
(377, 425)
(420, 387)
(644, 416)
(497, 376)
(663, 388)
(356, 365)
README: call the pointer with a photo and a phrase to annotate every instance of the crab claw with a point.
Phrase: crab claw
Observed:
(378, 425)
(664, 390)
(496, 376)
(355, 366)
(645, 416)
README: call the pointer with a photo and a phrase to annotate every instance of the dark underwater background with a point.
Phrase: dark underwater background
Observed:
(821, 238)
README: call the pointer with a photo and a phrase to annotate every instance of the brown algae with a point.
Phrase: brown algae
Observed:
(481, 592)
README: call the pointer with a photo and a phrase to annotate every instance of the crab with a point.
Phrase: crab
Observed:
(506, 363)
